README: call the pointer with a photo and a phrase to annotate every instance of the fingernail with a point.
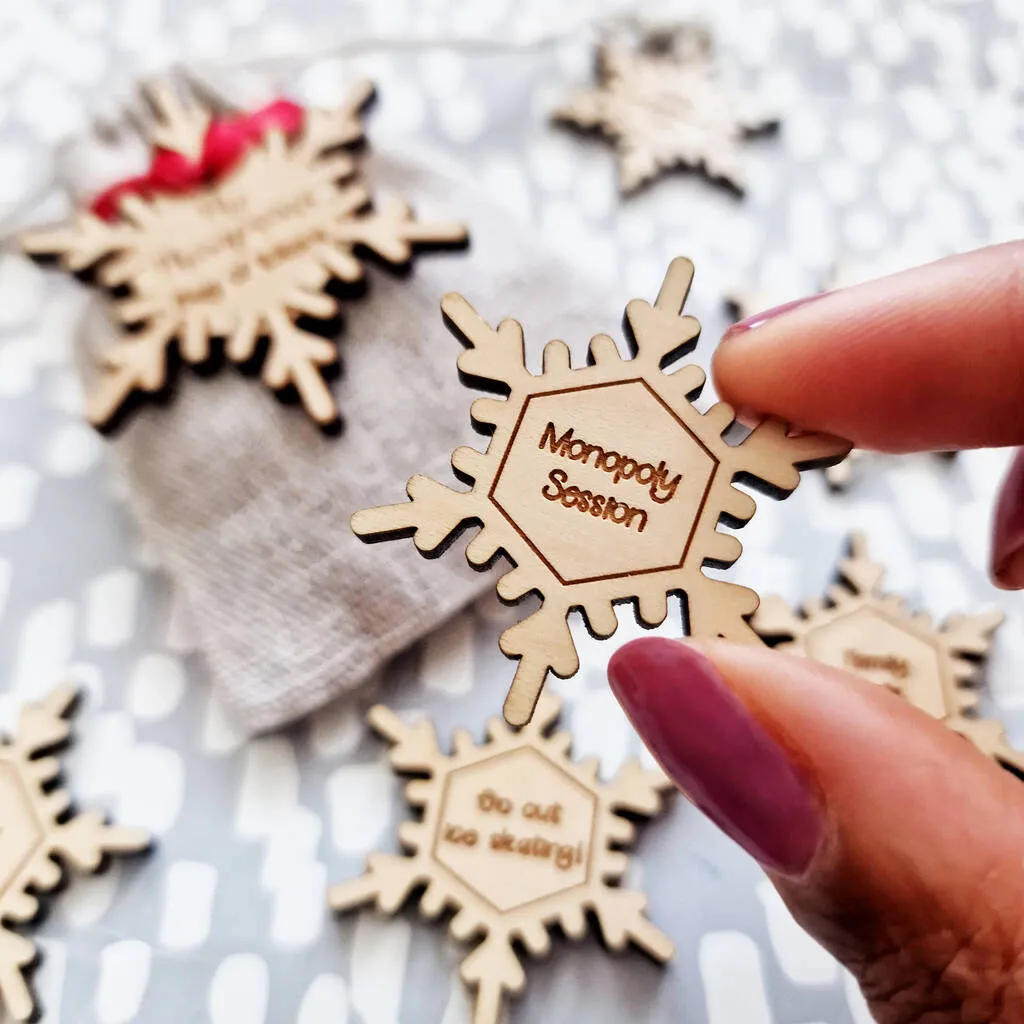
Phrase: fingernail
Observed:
(716, 752)
(748, 416)
(1008, 529)
(751, 322)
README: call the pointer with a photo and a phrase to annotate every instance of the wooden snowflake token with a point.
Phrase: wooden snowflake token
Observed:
(241, 257)
(38, 837)
(601, 483)
(664, 105)
(743, 303)
(860, 628)
(516, 837)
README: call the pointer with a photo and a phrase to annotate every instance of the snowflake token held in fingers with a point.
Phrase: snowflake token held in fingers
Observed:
(234, 234)
(516, 837)
(860, 628)
(663, 104)
(601, 483)
(38, 837)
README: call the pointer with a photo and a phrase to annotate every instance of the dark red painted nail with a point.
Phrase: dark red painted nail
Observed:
(1008, 529)
(716, 752)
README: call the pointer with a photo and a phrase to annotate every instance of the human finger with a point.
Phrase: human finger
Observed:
(928, 359)
(893, 840)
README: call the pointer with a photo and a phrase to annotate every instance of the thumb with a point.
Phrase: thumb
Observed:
(893, 841)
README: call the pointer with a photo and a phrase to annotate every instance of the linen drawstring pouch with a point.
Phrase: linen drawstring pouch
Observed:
(246, 502)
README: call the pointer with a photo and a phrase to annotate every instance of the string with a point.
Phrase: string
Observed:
(205, 75)
(470, 45)
(620, 17)
(617, 17)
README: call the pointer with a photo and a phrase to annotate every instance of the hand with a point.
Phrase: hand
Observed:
(894, 842)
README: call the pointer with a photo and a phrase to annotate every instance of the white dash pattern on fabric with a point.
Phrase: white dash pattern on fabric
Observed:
(186, 914)
(124, 976)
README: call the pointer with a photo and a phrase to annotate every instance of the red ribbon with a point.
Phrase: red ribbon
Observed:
(227, 140)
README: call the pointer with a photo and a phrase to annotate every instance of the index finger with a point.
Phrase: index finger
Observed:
(928, 359)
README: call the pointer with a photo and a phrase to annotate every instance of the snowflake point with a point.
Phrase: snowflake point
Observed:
(676, 286)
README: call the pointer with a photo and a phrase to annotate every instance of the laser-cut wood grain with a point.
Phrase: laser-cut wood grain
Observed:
(664, 106)
(601, 484)
(240, 259)
(862, 629)
(35, 830)
(515, 837)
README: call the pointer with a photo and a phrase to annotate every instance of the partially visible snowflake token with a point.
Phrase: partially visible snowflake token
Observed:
(239, 257)
(38, 837)
(862, 629)
(743, 303)
(516, 837)
(664, 105)
(601, 483)
(842, 475)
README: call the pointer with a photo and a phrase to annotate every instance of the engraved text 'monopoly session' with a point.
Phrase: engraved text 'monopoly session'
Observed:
(657, 481)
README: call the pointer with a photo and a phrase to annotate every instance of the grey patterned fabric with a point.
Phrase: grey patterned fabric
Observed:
(900, 140)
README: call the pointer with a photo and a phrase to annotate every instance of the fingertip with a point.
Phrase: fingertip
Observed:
(718, 754)
(873, 818)
(885, 363)
(1008, 530)
(1008, 574)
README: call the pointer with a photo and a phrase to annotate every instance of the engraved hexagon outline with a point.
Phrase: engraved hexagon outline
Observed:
(592, 797)
(614, 575)
(29, 808)
(901, 625)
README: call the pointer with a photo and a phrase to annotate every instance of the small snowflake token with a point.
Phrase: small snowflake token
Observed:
(516, 837)
(38, 837)
(743, 303)
(860, 628)
(241, 253)
(601, 484)
(663, 104)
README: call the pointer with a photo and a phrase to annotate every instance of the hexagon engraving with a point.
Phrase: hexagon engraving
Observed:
(884, 652)
(516, 829)
(21, 832)
(603, 485)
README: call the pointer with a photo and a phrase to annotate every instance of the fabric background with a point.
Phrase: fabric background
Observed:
(900, 139)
